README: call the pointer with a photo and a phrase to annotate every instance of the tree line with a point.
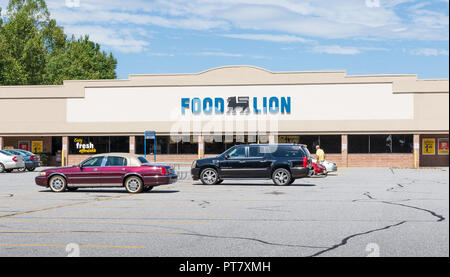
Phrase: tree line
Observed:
(34, 50)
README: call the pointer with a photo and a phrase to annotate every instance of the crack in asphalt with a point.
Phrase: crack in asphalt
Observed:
(253, 239)
(440, 217)
(367, 194)
(346, 239)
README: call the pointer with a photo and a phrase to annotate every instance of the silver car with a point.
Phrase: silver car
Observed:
(329, 165)
(9, 162)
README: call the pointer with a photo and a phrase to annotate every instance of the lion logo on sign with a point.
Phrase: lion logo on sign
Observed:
(241, 102)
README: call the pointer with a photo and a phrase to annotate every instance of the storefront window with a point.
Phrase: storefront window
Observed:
(402, 143)
(218, 144)
(358, 144)
(329, 143)
(168, 145)
(98, 145)
(363, 144)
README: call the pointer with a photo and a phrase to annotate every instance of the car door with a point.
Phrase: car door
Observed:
(232, 164)
(113, 172)
(87, 174)
(257, 164)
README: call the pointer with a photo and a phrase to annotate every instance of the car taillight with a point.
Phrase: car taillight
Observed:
(163, 171)
(32, 158)
(15, 159)
(305, 162)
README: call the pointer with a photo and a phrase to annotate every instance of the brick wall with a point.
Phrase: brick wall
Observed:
(354, 160)
(380, 160)
(337, 158)
(76, 159)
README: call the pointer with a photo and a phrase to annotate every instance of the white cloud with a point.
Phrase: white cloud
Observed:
(114, 22)
(343, 50)
(335, 49)
(220, 54)
(328, 19)
(122, 40)
(270, 37)
(428, 52)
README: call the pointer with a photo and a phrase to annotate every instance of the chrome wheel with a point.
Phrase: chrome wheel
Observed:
(209, 176)
(134, 185)
(2, 168)
(281, 177)
(58, 184)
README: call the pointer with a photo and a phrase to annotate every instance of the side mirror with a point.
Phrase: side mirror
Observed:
(80, 165)
(227, 157)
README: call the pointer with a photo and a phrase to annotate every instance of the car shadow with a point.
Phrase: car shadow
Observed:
(256, 184)
(112, 191)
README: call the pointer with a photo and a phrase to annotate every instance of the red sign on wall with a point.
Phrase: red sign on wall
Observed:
(24, 145)
(443, 146)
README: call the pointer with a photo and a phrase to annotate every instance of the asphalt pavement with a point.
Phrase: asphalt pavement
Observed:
(355, 212)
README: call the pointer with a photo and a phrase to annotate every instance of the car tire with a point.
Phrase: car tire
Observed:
(31, 168)
(209, 176)
(22, 169)
(2, 168)
(57, 183)
(291, 181)
(281, 177)
(72, 189)
(134, 184)
(148, 188)
(219, 182)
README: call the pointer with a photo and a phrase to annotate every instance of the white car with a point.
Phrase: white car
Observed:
(9, 162)
(329, 165)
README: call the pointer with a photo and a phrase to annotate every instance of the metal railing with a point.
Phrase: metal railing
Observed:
(182, 169)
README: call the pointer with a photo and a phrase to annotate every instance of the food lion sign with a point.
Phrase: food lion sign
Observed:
(233, 105)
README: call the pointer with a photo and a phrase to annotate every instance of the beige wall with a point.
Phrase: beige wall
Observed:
(42, 110)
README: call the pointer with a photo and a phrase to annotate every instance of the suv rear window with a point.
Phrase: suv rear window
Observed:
(288, 152)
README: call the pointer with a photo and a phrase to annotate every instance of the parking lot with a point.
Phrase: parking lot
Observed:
(354, 212)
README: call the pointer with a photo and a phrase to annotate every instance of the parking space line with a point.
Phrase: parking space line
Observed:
(144, 222)
(86, 232)
(64, 206)
(60, 245)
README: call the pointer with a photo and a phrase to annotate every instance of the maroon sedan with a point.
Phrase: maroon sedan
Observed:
(133, 172)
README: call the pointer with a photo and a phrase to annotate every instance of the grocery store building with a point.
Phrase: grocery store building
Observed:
(360, 121)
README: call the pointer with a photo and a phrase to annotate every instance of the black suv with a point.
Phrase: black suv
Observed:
(283, 163)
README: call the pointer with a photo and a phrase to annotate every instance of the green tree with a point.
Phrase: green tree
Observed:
(34, 50)
(80, 59)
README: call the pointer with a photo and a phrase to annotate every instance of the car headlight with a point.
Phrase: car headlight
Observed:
(194, 164)
(42, 174)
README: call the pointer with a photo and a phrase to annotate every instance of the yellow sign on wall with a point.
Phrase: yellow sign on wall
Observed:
(37, 146)
(428, 146)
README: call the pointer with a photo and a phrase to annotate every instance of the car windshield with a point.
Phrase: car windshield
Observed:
(14, 152)
(25, 152)
(5, 153)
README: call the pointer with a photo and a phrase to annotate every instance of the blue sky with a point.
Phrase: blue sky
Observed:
(174, 36)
